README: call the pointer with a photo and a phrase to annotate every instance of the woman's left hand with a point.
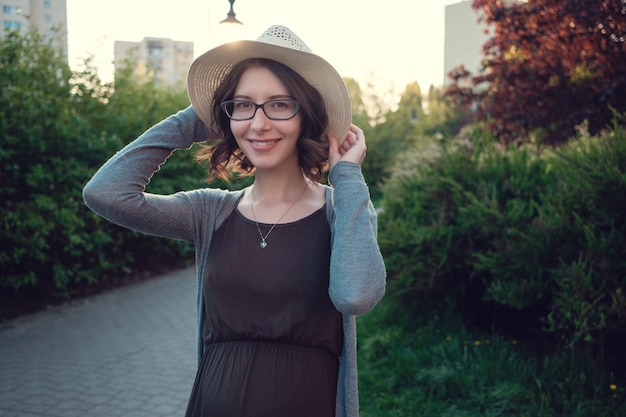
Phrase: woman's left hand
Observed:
(352, 149)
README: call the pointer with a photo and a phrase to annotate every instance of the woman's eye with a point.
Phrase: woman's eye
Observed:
(280, 104)
(243, 105)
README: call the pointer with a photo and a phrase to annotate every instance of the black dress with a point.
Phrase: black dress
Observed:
(272, 336)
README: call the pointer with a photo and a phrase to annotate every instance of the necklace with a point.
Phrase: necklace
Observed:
(263, 243)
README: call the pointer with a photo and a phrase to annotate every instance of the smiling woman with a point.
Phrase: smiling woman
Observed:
(267, 80)
(269, 144)
(285, 265)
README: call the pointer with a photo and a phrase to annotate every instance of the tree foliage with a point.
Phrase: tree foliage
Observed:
(416, 122)
(57, 127)
(549, 66)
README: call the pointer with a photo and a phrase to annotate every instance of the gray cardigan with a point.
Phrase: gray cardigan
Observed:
(357, 271)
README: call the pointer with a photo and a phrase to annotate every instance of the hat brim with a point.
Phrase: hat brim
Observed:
(210, 69)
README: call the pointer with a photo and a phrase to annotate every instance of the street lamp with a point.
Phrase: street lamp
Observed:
(231, 15)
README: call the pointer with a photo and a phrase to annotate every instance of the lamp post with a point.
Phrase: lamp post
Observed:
(230, 17)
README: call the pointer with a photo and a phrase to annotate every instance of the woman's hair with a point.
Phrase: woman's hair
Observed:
(225, 157)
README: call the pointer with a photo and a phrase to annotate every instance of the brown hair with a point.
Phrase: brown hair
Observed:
(225, 157)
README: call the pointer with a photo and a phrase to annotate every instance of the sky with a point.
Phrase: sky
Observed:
(387, 43)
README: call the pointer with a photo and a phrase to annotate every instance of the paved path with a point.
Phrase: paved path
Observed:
(129, 352)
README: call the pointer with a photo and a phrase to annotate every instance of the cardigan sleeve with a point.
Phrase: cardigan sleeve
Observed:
(357, 269)
(117, 190)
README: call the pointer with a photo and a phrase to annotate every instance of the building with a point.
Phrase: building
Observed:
(47, 16)
(165, 60)
(464, 39)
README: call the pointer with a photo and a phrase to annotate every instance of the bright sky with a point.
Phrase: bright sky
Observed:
(390, 43)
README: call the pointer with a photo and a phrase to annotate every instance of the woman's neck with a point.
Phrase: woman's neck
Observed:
(281, 198)
(272, 187)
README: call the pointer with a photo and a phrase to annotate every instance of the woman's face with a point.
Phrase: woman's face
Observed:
(267, 143)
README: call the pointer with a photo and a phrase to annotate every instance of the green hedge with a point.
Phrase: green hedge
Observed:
(57, 128)
(527, 243)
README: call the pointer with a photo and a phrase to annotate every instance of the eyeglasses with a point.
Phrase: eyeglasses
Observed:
(283, 109)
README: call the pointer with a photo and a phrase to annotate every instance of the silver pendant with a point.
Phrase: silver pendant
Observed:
(263, 244)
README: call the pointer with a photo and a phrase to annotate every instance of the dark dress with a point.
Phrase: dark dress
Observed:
(272, 336)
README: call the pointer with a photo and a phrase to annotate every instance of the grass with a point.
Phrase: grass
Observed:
(433, 366)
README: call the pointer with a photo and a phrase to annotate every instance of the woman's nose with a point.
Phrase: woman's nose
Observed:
(260, 121)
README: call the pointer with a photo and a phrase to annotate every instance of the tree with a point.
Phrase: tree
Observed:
(409, 114)
(549, 66)
(360, 117)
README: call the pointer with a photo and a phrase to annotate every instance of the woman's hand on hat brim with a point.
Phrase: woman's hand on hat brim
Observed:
(352, 149)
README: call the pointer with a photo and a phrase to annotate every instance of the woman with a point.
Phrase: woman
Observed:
(285, 265)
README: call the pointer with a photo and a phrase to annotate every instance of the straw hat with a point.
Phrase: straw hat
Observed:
(280, 44)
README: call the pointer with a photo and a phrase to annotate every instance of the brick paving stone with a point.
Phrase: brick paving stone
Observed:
(129, 352)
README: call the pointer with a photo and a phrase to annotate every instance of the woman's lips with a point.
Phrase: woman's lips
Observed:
(263, 145)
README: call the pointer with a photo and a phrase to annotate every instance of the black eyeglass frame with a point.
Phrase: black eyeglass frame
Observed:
(261, 106)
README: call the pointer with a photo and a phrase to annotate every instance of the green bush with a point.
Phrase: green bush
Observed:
(590, 280)
(521, 242)
(43, 164)
(57, 128)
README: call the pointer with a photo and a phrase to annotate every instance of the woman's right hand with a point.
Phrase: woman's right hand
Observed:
(352, 149)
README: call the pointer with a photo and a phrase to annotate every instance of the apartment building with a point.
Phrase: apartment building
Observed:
(45, 15)
(166, 60)
(464, 39)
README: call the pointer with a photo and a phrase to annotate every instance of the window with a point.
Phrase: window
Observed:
(155, 50)
(46, 4)
(12, 25)
(11, 10)
(48, 18)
